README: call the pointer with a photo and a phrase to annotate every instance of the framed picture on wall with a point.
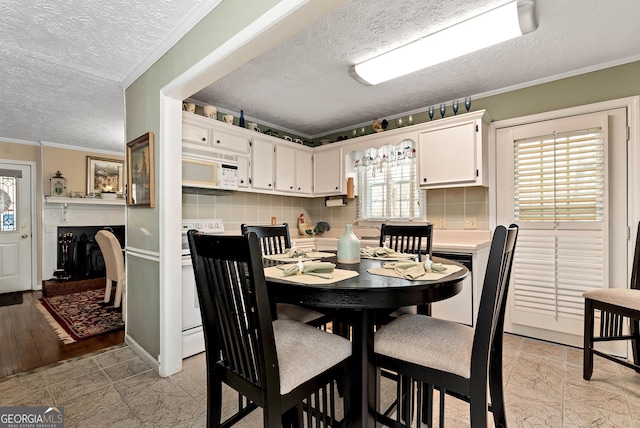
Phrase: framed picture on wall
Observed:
(104, 175)
(140, 171)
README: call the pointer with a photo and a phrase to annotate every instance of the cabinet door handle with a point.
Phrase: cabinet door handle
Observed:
(291, 187)
(241, 181)
(204, 139)
(218, 141)
(424, 179)
(269, 184)
(336, 187)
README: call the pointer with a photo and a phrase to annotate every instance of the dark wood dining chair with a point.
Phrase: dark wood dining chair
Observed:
(275, 239)
(411, 239)
(276, 364)
(451, 357)
(616, 307)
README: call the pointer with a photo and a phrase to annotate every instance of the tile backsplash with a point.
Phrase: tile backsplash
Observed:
(455, 204)
(255, 208)
(452, 205)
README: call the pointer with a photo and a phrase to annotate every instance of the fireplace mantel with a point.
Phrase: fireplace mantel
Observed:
(82, 201)
(59, 212)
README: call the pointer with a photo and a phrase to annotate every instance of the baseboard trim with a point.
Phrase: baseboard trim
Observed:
(148, 358)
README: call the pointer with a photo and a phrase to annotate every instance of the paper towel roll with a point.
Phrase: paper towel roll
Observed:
(334, 203)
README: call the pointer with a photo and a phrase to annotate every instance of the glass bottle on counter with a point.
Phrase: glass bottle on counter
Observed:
(348, 246)
(241, 123)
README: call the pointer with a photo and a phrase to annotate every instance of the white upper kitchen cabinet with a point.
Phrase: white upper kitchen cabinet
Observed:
(453, 153)
(327, 172)
(230, 139)
(285, 168)
(243, 172)
(304, 172)
(203, 132)
(262, 157)
(294, 168)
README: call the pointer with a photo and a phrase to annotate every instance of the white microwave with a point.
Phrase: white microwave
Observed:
(209, 173)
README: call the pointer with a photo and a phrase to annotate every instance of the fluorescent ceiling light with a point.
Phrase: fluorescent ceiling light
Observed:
(505, 22)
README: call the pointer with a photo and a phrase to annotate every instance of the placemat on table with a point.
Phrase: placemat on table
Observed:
(338, 275)
(311, 255)
(428, 276)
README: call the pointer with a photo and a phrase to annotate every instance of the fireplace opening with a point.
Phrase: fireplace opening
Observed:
(79, 255)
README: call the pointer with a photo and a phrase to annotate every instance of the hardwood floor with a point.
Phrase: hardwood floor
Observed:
(27, 341)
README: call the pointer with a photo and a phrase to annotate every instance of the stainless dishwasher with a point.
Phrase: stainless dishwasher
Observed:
(459, 308)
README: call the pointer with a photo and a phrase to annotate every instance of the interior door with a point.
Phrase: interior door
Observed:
(547, 302)
(15, 227)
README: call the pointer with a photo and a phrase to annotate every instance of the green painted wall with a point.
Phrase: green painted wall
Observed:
(608, 84)
(603, 85)
(143, 115)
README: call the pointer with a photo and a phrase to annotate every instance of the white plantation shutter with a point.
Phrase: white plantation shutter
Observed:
(560, 177)
(387, 183)
(560, 204)
(551, 270)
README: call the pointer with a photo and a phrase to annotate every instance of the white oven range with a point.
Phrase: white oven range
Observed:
(192, 335)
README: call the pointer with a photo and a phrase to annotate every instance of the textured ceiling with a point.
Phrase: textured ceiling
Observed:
(303, 85)
(63, 62)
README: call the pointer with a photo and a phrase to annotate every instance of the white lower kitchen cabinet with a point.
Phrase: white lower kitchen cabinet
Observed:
(463, 307)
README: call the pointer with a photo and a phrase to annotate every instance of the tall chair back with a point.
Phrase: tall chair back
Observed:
(240, 334)
(273, 239)
(452, 357)
(114, 264)
(413, 239)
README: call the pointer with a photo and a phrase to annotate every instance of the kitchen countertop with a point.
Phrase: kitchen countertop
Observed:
(443, 240)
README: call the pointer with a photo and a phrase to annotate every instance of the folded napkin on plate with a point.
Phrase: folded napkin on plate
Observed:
(383, 252)
(321, 269)
(294, 252)
(412, 270)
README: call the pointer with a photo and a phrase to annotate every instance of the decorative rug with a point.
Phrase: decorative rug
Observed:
(78, 316)
(8, 299)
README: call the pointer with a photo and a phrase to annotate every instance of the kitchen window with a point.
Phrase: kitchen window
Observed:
(387, 183)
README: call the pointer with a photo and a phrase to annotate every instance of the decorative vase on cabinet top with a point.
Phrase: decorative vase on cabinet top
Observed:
(348, 246)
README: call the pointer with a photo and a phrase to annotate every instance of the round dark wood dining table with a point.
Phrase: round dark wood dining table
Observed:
(358, 301)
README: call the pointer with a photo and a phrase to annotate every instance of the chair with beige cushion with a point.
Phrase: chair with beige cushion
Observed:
(619, 310)
(274, 240)
(114, 264)
(451, 357)
(276, 364)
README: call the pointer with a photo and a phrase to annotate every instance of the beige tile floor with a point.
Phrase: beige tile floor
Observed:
(544, 387)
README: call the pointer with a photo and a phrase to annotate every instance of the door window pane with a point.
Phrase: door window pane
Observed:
(7, 203)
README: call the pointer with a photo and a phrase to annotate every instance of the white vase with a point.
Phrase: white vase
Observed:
(348, 246)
